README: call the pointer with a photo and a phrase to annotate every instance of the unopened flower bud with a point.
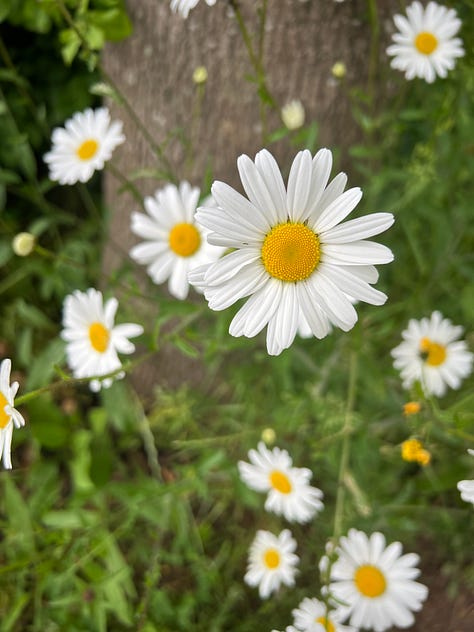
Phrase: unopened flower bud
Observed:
(339, 70)
(268, 436)
(200, 75)
(293, 114)
(23, 244)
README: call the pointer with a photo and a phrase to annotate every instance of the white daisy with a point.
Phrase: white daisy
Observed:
(289, 255)
(289, 491)
(175, 242)
(92, 340)
(375, 582)
(425, 46)
(289, 628)
(312, 616)
(9, 416)
(467, 487)
(272, 562)
(431, 355)
(183, 7)
(83, 145)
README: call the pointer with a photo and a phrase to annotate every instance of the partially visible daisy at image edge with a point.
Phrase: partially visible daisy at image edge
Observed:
(431, 354)
(289, 491)
(290, 255)
(425, 45)
(467, 487)
(272, 562)
(174, 242)
(183, 7)
(92, 338)
(375, 583)
(82, 146)
(9, 416)
(311, 616)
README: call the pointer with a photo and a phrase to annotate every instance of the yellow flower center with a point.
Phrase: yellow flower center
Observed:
(271, 558)
(99, 337)
(280, 482)
(426, 43)
(370, 581)
(328, 626)
(411, 449)
(291, 252)
(431, 352)
(184, 239)
(411, 408)
(4, 418)
(88, 149)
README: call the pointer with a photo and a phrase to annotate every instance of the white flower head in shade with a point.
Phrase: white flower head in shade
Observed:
(175, 243)
(293, 114)
(431, 354)
(312, 616)
(467, 487)
(92, 339)
(272, 562)
(375, 582)
(425, 45)
(9, 416)
(83, 145)
(183, 7)
(289, 628)
(290, 253)
(289, 492)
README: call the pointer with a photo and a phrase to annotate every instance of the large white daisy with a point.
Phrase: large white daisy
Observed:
(183, 7)
(272, 562)
(9, 416)
(92, 339)
(425, 45)
(431, 355)
(289, 253)
(375, 582)
(467, 487)
(175, 242)
(312, 616)
(83, 145)
(289, 491)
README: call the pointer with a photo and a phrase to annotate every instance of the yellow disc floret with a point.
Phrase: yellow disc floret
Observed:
(99, 337)
(426, 43)
(88, 149)
(370, 581)
(432, 353)
(280, 482)
(184, 239)
(271, 558)
(291, 252)
(4, 418)
(327, 625)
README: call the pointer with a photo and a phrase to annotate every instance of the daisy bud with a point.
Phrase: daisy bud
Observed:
(339, 70)
(268, 436)
(293, 115)
(200, 75)
(23, 244)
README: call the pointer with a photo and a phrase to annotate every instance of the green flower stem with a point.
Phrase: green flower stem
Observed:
(347, 431)
(127, 184)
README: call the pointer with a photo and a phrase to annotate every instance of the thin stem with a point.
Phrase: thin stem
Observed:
(341, 490)
(127, 184)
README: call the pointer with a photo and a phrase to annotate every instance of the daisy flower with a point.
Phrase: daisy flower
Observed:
(83, 145)
(289, 628)
(272, 562)
(467, 487)
(289, 492)
(183, 7)
(425, 45)
(92, 339)
(312, 616)
(9, 416)
(375, 582)
(290, 254)
(175, 242)
(431, 355)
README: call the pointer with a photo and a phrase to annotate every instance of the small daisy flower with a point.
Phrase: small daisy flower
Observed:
(312, 616)
(431, 355)
(425, 45)
(293, 114)
(183, 7)
(272, 562)
(83, 145)
(376, 582)
(467, 487)
(411, 408)
(9, 416)
(175, 242)
(290, 253)
(289, 492)
(412, 450)
(92, 339)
